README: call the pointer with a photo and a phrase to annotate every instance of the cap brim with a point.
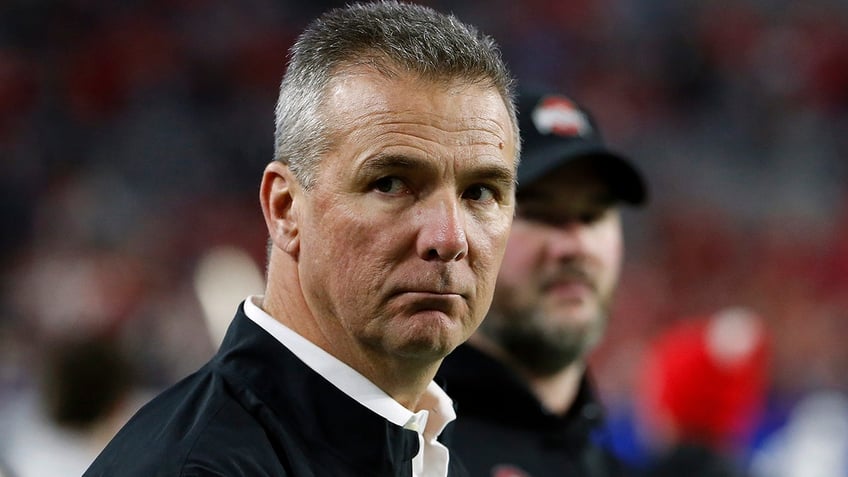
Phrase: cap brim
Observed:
(624, 180)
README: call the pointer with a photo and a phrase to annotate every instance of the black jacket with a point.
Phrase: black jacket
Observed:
(503, 429)
(256, 410)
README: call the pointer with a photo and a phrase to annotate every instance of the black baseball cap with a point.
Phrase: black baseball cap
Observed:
(556, 130)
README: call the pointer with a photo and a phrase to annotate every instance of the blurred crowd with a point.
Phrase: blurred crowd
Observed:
(133, 135)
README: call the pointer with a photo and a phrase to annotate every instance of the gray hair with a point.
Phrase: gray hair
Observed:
(390, 37)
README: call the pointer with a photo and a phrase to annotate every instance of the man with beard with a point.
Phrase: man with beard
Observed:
(526, 404)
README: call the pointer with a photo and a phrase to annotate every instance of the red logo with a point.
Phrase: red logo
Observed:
(505, 470)
(559, 115)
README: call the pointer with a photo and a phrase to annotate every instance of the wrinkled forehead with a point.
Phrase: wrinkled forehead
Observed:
(363, 101)
(373, 83)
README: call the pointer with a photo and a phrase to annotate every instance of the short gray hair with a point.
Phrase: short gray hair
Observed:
(389, 37)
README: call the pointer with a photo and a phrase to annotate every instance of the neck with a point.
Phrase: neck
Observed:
(557, 392)
(405, 382)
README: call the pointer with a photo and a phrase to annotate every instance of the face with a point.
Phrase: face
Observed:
(401, 237)
(559, 272)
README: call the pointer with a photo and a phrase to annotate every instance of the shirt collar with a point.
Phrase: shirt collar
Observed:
(437, 407)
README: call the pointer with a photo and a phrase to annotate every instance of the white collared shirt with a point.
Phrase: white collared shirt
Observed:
(437, 408)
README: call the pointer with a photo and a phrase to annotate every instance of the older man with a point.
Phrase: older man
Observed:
(388, 207)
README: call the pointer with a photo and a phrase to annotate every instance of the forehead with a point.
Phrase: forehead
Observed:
(361, 101)
(577, 185)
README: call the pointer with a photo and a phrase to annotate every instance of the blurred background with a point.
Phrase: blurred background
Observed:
(133, 135)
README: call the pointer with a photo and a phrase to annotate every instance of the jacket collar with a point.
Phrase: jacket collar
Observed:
(257, 365)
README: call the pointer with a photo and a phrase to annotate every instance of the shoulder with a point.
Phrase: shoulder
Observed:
(232, 441)
(195, 428)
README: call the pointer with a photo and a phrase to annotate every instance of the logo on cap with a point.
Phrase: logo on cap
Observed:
(506, 470)
(559, 115)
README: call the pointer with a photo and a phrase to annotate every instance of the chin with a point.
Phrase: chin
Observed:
(581, 312)
(572, 319)
(430, 344)
(422, 350)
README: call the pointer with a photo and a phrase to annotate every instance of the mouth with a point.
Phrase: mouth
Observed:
(570, 277)
(570, 289)
(430, 296)
(430, 290)
(426, 300)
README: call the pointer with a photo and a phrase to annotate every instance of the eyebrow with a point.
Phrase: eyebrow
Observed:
(383, 162)
(495, 173)
(492, 172)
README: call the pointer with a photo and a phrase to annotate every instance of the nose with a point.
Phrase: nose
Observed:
(442, 231)
(567, 240)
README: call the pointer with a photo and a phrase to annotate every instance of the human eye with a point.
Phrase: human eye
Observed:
(590, 217)
(389, 185)
(597, 213)
(489, 184)
(480, 193)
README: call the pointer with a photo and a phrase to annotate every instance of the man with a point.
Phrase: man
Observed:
(388, 207)
(525, 403)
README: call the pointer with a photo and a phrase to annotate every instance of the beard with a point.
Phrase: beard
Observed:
(536, 343)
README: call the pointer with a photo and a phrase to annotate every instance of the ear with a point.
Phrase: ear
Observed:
(278, 194)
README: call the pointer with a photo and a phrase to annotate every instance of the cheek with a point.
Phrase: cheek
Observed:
(338, 251)
(365, 253)
(488, 244)
(610, 252)
(517, 278)
(354, 249)
(521, 256)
